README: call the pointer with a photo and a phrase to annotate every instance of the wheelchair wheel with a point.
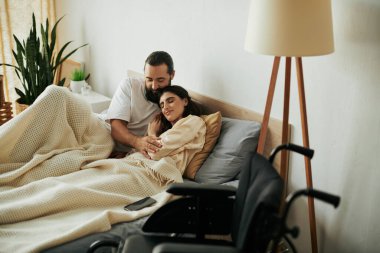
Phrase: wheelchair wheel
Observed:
(286, 246)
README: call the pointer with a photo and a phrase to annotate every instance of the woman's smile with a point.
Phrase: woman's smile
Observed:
(167, 112)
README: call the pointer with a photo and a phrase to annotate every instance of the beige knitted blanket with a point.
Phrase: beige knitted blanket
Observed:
(56, 186)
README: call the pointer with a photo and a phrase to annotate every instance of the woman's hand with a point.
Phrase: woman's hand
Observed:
(148, 144)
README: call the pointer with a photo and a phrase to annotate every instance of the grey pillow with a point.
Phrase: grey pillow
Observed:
(238, 138)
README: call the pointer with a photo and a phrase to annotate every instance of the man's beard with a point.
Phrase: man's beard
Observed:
(154, 96)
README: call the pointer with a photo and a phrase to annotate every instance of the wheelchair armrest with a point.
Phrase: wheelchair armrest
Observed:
(201, 190)
(103, 243)
(192, 248)
(204, 209)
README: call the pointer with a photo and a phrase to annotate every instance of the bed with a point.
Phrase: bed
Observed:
(239, 131)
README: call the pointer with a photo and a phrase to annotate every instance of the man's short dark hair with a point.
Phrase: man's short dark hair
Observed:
(159, 57)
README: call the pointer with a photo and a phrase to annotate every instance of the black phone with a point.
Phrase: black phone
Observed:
(140, 204)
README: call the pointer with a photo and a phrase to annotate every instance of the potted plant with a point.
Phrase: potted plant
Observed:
(78, 80)
(36, 62)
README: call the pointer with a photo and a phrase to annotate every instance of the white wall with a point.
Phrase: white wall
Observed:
(206, 38)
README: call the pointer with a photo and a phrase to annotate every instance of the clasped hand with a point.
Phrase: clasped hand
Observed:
(148, 144)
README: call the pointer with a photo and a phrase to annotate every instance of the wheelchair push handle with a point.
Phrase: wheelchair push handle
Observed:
(292, 147)
(324, 196)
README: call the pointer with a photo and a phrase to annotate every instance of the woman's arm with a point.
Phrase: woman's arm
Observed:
(183, 132)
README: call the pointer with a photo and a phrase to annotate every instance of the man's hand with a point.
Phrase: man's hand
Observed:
(120, 132)
(148, 144)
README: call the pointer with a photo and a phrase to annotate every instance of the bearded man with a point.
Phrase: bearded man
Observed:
(134, 104)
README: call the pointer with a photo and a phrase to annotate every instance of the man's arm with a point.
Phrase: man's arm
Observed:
(121, 133)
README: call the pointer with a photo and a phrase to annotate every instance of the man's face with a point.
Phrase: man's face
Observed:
(156, 78)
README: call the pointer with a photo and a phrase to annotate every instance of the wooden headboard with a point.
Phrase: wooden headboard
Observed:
(211, 105)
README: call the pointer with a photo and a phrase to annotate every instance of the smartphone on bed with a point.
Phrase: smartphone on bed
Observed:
(140, 204)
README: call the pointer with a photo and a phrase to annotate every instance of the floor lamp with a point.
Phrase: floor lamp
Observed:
(290, 29)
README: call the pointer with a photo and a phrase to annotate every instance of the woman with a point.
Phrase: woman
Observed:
(179, 126)
(52, 173)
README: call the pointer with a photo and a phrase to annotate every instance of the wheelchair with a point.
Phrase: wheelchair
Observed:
(223, 219)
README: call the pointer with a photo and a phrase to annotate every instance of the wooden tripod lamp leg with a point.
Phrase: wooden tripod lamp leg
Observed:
(268, 106)
(305, 137)
(285, 121)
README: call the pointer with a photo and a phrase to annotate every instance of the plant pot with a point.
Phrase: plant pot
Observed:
(5, 107)
(76, 86)
(20, 107)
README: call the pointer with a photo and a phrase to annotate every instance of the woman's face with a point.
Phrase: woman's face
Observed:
(172, 106)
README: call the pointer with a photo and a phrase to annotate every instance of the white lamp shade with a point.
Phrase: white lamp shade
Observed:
(290, 28)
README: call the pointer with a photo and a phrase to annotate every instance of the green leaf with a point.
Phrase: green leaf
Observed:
(23, 98)
(68, 55)
(54, 34)
(62, 82)
(59, 55)
(18, 44)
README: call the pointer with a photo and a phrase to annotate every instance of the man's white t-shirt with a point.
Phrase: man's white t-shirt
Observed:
(130, 104)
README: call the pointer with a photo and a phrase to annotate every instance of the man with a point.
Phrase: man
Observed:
(135, 103)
